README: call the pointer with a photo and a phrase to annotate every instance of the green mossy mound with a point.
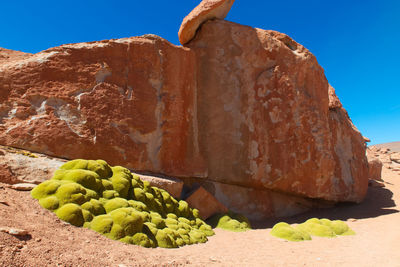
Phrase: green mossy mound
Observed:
(312, 227)
(285, 231)
(230, 221)
(117, 204)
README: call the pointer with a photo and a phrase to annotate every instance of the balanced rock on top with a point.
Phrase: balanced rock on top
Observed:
(206, 10)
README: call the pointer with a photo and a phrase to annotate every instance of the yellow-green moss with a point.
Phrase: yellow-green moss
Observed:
(312, 227)
(285, 231)
(117, 204)
(230, 221)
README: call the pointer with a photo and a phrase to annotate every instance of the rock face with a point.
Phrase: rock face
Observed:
(266, 119)
(206, 10)
(238, 107)
(129, 102)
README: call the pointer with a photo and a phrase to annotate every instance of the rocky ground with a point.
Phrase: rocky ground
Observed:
(51, 242)
(388, 154)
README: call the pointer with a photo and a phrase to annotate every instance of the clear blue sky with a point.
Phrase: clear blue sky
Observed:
(356, 41)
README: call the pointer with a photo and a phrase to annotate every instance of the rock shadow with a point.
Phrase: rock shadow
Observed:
(378, 202)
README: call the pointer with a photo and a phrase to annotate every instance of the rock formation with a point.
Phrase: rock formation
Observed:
(206, 10)
(245, 112)
(388, 158)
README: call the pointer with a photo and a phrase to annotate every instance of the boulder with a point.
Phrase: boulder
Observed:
(267, 119)
(247, 109)
(128, 101)
(19, 166)
(206, 10)
(375, 169)
(172, 185)
(206, 203)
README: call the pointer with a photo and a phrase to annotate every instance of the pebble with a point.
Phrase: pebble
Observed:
(13, 231)
(23, 187)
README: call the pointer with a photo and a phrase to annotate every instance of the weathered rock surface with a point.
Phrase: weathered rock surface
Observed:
(266, 119)
(244, 108)
(206, 10)
(129, 102)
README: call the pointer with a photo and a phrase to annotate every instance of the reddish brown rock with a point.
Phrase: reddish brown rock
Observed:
(206, 10)
(263, 107)
(206, 203)
(242, 107)
(129, 102)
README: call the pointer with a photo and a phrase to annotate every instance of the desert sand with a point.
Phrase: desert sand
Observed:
(52, 242)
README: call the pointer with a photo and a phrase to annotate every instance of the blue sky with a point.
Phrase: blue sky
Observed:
(356, 42)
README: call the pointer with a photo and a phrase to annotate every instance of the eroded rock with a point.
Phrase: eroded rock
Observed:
(247, 109)
(206, 10)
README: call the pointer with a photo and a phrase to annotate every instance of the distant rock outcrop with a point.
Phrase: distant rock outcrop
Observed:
(239, 110)
(388, 158)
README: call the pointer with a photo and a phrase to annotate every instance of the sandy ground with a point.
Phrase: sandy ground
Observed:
(54, 243)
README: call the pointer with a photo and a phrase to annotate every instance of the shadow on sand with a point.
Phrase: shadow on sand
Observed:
(378, 202)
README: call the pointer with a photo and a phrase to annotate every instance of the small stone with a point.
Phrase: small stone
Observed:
(38, 239)
(13, 231)
(20, 246)
(23, 187)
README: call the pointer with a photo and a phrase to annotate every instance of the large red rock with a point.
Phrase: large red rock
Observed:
(130, 102)
(267, 118)
(248, 109)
